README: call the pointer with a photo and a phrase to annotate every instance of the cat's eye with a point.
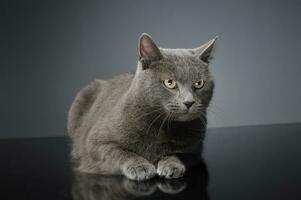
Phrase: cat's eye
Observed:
(199, 84)
(170, 84)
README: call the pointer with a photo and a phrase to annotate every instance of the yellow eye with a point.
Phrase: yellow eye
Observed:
(199, 84)
(171, 84)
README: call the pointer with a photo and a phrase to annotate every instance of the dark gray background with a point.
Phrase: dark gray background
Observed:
(50, 49)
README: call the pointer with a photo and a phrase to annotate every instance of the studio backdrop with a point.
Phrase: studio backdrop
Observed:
(50, 49)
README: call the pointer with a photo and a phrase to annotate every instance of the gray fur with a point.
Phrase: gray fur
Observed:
(133, 125)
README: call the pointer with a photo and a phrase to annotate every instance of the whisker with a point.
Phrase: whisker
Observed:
(162, 124)
(146, 114)
(154, 121)
(169, 120)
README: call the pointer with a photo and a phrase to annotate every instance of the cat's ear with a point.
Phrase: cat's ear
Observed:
(205, 51)
(148, 50)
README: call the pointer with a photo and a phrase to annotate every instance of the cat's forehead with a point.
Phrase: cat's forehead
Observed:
(181, 68)
(183, 64)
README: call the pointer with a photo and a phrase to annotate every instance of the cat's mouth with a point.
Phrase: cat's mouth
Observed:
(178, 113)
(183, 115)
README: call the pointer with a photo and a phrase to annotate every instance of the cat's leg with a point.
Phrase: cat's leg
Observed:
(171, 167)
(115, 159)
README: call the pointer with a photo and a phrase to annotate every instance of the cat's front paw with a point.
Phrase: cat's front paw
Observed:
(139, 170)
(170, 169)
(140, 188)
(172, 186)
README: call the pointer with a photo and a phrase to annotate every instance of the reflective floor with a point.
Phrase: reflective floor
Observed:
(259, 162)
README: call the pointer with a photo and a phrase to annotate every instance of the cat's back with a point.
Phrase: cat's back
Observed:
(115, 87)
(96, 100)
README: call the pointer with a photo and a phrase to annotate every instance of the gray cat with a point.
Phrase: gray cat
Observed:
(147, 123)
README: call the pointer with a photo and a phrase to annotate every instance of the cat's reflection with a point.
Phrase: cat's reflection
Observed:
(95, 187)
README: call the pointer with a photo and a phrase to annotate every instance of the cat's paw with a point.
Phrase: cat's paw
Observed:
(137, 188)
(170, 169)
(139, 170)
(173, 186)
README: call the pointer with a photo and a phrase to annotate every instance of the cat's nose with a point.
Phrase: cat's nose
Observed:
(188, 104)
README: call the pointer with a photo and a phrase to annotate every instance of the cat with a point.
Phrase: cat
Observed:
(151, 122)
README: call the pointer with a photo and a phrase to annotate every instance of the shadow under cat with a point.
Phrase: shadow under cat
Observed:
(92, 187)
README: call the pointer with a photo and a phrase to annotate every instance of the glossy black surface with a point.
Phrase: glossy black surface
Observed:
(259, 162)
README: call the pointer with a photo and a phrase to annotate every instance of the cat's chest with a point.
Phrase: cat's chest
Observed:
(155, 145)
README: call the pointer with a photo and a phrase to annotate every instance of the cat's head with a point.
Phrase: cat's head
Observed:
(176, 80)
